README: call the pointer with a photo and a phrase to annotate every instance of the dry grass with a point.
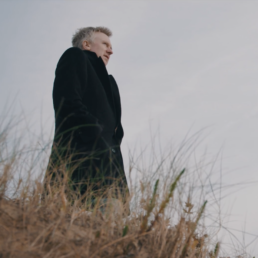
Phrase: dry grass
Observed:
(56, 228)
(163, 223)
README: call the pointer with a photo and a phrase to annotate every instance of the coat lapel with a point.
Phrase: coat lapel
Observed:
(102, 74)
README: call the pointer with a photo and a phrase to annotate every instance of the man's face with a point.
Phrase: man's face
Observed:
(100, 44)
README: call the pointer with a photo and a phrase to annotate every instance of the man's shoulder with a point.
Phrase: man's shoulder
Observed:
(73, 51)
(72, 55)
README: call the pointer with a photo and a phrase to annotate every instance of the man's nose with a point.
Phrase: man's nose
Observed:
(110, 51)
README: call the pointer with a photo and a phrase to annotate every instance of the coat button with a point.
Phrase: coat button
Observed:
(113, 150)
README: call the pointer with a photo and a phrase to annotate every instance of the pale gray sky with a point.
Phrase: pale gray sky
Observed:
(180, 66)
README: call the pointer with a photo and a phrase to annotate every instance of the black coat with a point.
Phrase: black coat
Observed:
(88, 118)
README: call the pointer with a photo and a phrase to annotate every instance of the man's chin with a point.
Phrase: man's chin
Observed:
(105, 60)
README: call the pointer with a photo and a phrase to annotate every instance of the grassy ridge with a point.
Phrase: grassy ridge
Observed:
(55, 227)
(163, 223)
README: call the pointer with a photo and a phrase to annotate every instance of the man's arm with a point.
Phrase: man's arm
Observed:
(119, 132)
(68, 90)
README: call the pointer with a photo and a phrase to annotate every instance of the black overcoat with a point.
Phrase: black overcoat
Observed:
(88, 120)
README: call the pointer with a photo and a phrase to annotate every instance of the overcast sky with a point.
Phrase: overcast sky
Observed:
(181, 66)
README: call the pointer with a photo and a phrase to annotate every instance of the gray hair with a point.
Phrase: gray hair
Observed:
(86, 34)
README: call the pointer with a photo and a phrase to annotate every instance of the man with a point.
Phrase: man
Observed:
(88, 130)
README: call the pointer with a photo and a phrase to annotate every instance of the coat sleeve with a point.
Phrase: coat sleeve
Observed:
(69, 85)
(120, 131)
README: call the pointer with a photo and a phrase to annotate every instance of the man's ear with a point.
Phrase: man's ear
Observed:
(86, 45)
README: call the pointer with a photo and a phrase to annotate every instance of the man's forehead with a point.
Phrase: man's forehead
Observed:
(101, 35)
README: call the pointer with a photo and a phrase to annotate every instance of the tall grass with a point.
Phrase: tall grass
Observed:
(166, 218)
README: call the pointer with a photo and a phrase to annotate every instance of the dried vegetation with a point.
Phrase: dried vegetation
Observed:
(61, 226)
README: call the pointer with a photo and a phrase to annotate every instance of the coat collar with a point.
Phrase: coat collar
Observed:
(92, 57)
(102, 73)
